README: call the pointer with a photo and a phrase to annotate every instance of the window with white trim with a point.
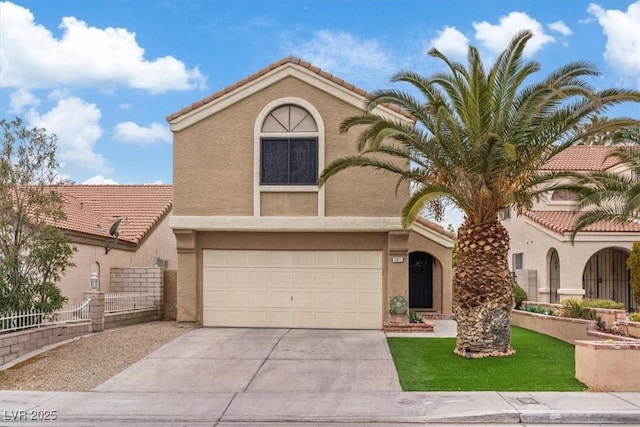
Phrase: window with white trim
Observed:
(516, 261)
(289, 147)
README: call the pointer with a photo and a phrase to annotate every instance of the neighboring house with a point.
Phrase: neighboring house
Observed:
(260, 244)
(543, 259)
(144, 236)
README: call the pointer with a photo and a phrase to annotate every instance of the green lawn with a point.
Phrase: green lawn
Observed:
(541, 363)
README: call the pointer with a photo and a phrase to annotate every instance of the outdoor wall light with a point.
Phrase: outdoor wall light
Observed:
(94, 281)
(467, 353)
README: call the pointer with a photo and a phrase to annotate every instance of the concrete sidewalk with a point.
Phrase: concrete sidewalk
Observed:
(231, 377)
(380, 408)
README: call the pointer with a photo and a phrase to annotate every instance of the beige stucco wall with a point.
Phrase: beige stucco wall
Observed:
(289, 204)
(395, 275)
(562, 328)
(161, 240)
(536, 242)
(608, 367)
(214, 160)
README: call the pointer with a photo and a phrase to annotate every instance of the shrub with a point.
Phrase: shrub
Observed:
(633, 262)
(414, 317)
(519, 295)
(635, 317)
(573, 308)
(602, 303)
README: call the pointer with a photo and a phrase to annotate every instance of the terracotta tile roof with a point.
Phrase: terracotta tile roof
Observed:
(91, 209)
(582, 158)
(562, 222)
(269, 68)
(435, 227)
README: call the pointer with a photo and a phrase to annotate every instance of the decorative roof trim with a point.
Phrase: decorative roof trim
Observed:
(290, 66)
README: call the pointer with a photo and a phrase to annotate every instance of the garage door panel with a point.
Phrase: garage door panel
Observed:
(282, 277)
(317, 289)
(303, 258)
(369, 277)
(258, 298)
(369, 299)
(370, 259)
(281, 318)
(237, 276)
(258, 317)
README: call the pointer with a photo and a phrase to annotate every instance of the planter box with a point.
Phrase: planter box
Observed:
(407, 327)
(563, 328)
(629, 329)
(607, 315)
(608, 366)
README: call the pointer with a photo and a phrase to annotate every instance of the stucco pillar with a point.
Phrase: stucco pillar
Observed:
(570, 293)
(397, 269)
(96, 309)
(187, 292)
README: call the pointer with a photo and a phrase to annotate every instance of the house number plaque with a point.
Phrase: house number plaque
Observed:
(397, 259)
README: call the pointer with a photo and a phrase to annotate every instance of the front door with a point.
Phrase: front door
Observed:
(420, 280)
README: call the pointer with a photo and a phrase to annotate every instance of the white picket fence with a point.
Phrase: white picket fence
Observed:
(30, 318)
(122, 301)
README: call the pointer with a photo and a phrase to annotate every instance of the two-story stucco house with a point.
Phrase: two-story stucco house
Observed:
(543, 259)
(260, 244)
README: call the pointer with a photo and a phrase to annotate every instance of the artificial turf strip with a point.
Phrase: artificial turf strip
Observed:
(541, 363)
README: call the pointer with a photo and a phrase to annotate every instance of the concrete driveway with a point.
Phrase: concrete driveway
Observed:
(240, 360)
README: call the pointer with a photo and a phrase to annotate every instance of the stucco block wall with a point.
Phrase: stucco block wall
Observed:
(143, 280)
(21, 343)
(608, 367)
(130, 317)
(565, 329)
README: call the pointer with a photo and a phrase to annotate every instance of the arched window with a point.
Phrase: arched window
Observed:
(289, 147)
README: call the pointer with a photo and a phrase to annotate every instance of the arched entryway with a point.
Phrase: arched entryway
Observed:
(554, 276)
(420, 280)
(606, 276)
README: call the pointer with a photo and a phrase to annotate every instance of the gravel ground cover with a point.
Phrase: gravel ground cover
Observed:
(84, 364)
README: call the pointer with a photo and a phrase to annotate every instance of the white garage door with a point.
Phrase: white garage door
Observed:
(293, 289)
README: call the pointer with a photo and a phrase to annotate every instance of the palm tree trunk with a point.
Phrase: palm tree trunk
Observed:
(483, 291)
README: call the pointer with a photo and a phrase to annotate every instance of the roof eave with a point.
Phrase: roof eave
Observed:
(274, 73)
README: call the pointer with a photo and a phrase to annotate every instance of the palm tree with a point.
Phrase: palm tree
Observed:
(608, 137)
(478, 139)
(610, 196)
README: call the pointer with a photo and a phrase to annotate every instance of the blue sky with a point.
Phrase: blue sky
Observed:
(104, 74)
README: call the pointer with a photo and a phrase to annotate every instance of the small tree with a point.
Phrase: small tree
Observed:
(33, 252)
(633, 262)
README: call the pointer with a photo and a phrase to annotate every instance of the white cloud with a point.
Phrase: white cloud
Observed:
(31, 57)
(451, 42)
(75, 123)
(20, 99)
(100, 180)
(133, 133)
(623, 38)
(497, 37)
(345, 55)
(560, 27)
